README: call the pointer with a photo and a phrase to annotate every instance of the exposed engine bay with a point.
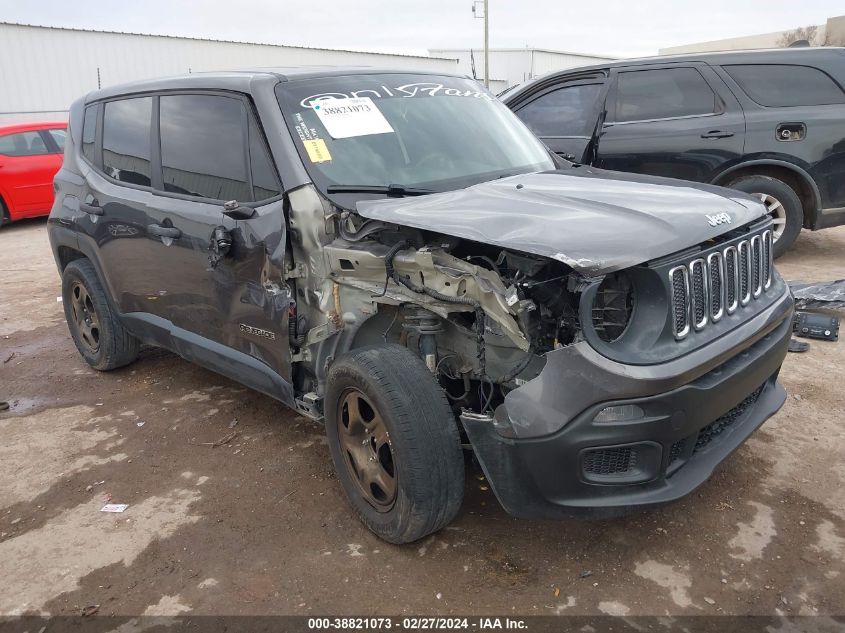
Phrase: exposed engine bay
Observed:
(480, 316)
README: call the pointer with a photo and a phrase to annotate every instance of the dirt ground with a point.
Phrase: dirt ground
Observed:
(260, 525)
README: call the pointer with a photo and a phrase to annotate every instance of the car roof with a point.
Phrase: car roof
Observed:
(757, 56)
(12, 128)
(725, 57)
(241, 80)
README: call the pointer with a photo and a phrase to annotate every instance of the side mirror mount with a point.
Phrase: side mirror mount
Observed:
(219, 247)
(236, 211)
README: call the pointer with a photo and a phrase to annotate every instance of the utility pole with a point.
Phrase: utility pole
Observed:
(484, 4)
(486, 48)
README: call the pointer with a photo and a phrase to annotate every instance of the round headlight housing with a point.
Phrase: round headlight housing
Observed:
(613, 306)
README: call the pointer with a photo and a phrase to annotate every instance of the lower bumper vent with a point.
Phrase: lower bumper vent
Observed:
(712, 430)
(610, 461)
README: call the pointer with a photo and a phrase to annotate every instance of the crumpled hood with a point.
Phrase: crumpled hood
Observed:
(593, 220)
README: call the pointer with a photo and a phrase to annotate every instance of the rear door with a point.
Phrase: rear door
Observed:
(171, 161)
(27, 166)
(679, 121)
(564, 113)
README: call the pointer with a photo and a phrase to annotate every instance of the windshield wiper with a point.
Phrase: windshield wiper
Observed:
(392, 191)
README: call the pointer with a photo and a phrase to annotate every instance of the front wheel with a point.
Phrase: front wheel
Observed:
(783, 205)
(394, 442)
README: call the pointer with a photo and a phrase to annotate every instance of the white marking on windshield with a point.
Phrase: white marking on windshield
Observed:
(420, 89)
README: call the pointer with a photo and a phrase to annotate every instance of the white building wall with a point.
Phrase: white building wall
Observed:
(516, 65)
(44, 69)
(832, 33)
(763, 40)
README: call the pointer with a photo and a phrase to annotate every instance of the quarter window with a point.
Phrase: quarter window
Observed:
(567, 111)
(663, 93)
(23, 144)
(203, 147)
(89, 133)
(779, 85)
(126, 140)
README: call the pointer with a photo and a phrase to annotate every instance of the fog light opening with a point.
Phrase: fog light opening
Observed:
(620, 413)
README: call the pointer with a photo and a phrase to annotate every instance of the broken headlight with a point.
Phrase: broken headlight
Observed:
(612, 307)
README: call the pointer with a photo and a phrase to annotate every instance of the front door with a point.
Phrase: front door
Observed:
(680, 122)
(565, 114)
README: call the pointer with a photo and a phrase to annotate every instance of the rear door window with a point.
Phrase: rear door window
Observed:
(23, 144)
(126, 140)
(567, 111)
(783, 85)
(662, 93)
(203, 146)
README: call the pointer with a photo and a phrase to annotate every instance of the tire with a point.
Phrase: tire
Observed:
(403, 411)
(5, 216)
(784, 206)
(97, 333)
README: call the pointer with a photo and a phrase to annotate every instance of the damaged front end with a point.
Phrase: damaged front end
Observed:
(578, 394)
(481, 317)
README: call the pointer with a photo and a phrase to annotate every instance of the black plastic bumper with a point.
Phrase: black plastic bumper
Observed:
(607, 469)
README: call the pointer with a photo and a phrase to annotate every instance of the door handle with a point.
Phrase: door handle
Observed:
(164, 231)
(717, 134)
(91, 208)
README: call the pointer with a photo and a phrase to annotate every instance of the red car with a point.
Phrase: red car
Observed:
(30, 155)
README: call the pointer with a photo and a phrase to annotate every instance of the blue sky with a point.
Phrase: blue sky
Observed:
(613, 27)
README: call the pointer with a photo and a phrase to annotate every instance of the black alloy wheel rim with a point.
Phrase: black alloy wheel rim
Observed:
(85, 317)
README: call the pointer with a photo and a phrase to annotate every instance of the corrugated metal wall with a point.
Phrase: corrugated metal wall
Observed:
(44, 69)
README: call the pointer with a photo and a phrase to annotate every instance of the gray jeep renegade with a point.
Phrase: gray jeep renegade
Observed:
(395, 254)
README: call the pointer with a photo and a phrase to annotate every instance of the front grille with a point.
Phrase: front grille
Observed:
(712, 430)
(699, 293)
(730, 279)
(744, 272)
(680, 300)
(756, 266)
(610, 461)
(767, 260)
(703, 291)
(717, 286)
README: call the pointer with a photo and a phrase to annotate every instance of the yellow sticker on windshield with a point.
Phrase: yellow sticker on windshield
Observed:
(317, 150)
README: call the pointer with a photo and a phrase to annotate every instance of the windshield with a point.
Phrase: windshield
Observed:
(412, 131)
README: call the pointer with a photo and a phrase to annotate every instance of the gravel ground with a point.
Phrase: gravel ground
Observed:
(260, 525)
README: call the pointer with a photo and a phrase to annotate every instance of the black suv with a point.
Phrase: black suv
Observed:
(770, 123)
(396, 254)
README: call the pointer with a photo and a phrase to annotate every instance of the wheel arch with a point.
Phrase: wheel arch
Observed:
(5, 211)
(796, 177)
(66, 254)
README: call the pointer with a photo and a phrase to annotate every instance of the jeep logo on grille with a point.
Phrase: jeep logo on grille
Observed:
(719, 218)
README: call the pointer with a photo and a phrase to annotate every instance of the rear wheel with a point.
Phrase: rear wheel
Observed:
(394, 442)
(5, 218)
(99, 336)
(783, 205)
